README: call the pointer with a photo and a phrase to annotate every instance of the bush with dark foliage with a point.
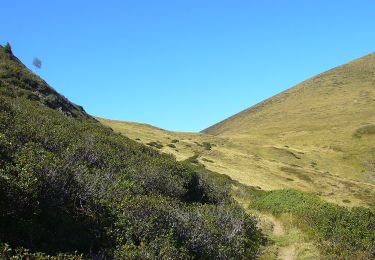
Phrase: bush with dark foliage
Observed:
(71, 188)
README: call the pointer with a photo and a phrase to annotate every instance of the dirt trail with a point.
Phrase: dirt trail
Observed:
(284, 252)
(278, 228)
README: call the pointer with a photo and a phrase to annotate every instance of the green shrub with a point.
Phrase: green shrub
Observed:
(8, 48)
(193, 159)
(207, 146)
(364, 130)
(70, 187)
(155, 144)
(226, 229)
(6, 252)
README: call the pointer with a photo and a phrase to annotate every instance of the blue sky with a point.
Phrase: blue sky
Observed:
(183, 64)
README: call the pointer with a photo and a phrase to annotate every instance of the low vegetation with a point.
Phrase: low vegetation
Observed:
(207, 146)
(339, 232)
(193, 160)
(365, 130)
(157, 145)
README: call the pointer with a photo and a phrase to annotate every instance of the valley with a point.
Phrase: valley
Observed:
(317, 137)
(281, 180)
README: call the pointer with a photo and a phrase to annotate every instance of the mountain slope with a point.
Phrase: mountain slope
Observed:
(306, 215)
(317, 137)
(334, 97)
(72, 188)
(281, 165)
(328, 121)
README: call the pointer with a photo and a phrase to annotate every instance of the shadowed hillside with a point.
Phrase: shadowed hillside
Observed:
(71, 188)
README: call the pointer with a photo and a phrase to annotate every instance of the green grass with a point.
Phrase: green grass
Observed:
(340, 232)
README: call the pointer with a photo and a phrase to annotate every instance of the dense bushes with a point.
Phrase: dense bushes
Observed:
(69, 184)
(343, 233)
(6, 252)
(197, 231)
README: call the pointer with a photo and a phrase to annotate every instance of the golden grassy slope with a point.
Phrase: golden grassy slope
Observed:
(318, 136)
(329, 117)
(252, 163)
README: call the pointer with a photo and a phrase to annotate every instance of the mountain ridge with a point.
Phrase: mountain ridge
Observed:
(215, 129)
(18, 78)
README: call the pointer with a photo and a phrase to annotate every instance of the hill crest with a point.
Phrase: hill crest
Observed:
(360, 71)
(18, 80)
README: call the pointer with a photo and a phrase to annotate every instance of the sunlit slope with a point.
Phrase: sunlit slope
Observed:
(342, 97)
(252, 162)
(181, 145)
(318, 136)
(329, 119)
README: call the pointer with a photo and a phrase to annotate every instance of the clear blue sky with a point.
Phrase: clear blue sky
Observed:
(183, 64)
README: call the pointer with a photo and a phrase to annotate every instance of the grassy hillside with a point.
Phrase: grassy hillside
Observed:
(317, 136)
(255, 162)
(329, 120)
(180, 145)
(342, 93)
(71, 188)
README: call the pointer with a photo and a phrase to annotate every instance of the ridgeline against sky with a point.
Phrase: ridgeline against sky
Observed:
(183, 65)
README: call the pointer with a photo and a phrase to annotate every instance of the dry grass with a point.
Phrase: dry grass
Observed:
(305, 138)
(255, 164)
